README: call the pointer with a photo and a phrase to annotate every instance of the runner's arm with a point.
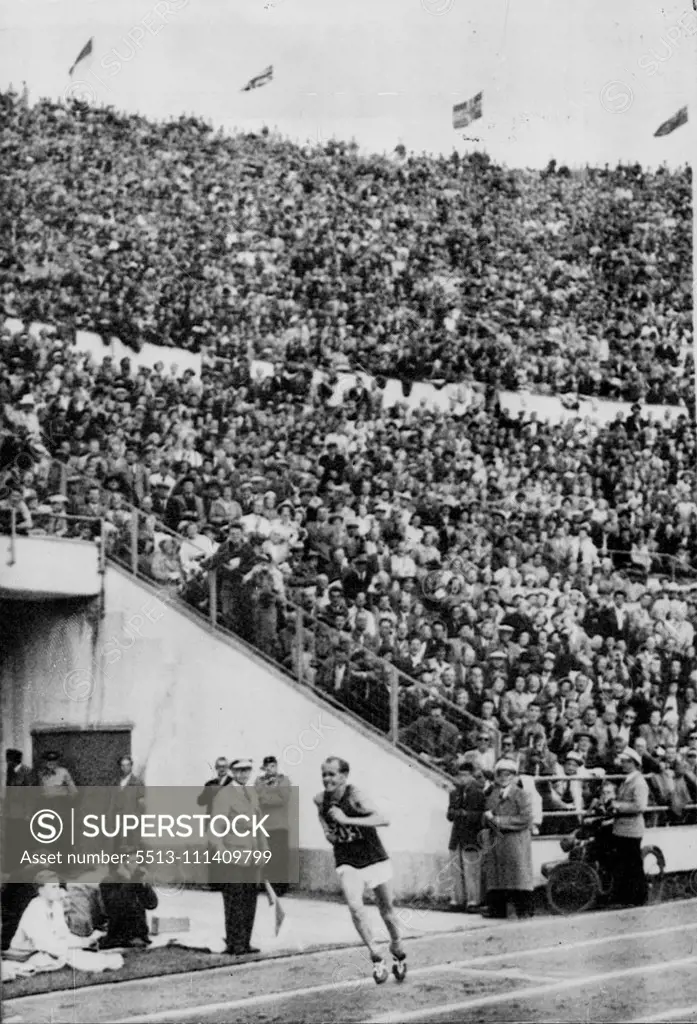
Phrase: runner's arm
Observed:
(372, 817)
(328, 835)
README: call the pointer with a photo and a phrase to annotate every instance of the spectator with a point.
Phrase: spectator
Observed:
(43, 930)
(273, 790)
(53, 778)
(16, 773)
(508, 819)
(125, 898)
(628, 832)
(465, 811)
(431, 736)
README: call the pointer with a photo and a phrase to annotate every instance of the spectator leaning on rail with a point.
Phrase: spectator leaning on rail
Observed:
(629, 808)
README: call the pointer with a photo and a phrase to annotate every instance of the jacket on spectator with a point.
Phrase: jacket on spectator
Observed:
(508, 847)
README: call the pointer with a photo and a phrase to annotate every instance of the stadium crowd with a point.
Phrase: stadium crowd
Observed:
(534, 577)
(527, 587)
(423, 268)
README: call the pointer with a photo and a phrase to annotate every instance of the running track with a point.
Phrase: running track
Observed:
(619, 966)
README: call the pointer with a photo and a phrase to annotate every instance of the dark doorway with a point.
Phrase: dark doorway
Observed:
(90, 755)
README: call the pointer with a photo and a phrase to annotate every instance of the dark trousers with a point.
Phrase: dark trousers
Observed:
(628, 875)
(498, 900)
(240, 903)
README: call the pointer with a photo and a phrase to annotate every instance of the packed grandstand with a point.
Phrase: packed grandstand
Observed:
(524, 585)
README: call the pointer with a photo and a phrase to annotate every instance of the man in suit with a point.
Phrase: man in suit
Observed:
(16, 773)
(628, 831)
(186, 505)
(54, 779)
(127, 796)
(465, 810)
(614, 619)
(273, 789)
(239, 897)
(205, 799)
(432, 737)
(126, 773)
(357, 578)
(222, 778)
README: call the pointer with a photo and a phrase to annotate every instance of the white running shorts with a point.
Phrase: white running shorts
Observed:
(367, 878)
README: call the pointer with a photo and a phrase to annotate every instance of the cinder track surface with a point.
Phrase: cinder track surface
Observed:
(630, 965)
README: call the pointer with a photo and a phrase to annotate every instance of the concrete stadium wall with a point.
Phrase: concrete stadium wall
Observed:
(192, 696)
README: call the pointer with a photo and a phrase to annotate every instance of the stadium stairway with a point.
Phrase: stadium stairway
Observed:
(184, 694)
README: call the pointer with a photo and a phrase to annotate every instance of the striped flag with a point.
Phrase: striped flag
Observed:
(465, 113)
(263, 79)
(672, 123)
(84, 52)
(276, 904)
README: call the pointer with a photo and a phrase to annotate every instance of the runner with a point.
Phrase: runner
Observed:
(350, 821)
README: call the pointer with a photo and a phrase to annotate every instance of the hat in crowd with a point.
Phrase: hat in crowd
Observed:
(628, 754)
(574, 755)
(466, 766)
(269, 760)
(506, 765)
(241, 762)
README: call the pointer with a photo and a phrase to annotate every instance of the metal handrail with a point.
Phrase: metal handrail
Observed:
(301, 616)
(131, 563)
(35, 534)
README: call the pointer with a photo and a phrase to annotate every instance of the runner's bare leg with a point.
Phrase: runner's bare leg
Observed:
(385, 902)
(353, 894)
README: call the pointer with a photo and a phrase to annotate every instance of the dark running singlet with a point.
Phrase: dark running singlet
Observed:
(356, 845)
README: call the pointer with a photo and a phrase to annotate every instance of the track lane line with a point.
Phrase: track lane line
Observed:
(424, 1013)
(165, 1016)
(505, 927)
(683, 1013)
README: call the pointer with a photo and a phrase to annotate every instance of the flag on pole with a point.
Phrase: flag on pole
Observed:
(263, 79)
(672, 123)
(465, 113)
(276, 904)
(84, 52)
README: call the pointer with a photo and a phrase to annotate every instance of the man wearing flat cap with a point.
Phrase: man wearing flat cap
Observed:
(508, 820)
(240, 895)
(628, 831)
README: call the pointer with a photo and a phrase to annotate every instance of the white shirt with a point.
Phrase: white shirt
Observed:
(256, 524)
(42, 928)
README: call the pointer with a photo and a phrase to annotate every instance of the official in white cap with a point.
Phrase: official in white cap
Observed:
(509, 822)
(239, 880)
(628, 831)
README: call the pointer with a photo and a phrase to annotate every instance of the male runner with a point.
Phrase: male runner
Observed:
(350, 823)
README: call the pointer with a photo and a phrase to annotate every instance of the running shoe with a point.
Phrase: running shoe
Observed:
(380, 972)
(399, 966)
